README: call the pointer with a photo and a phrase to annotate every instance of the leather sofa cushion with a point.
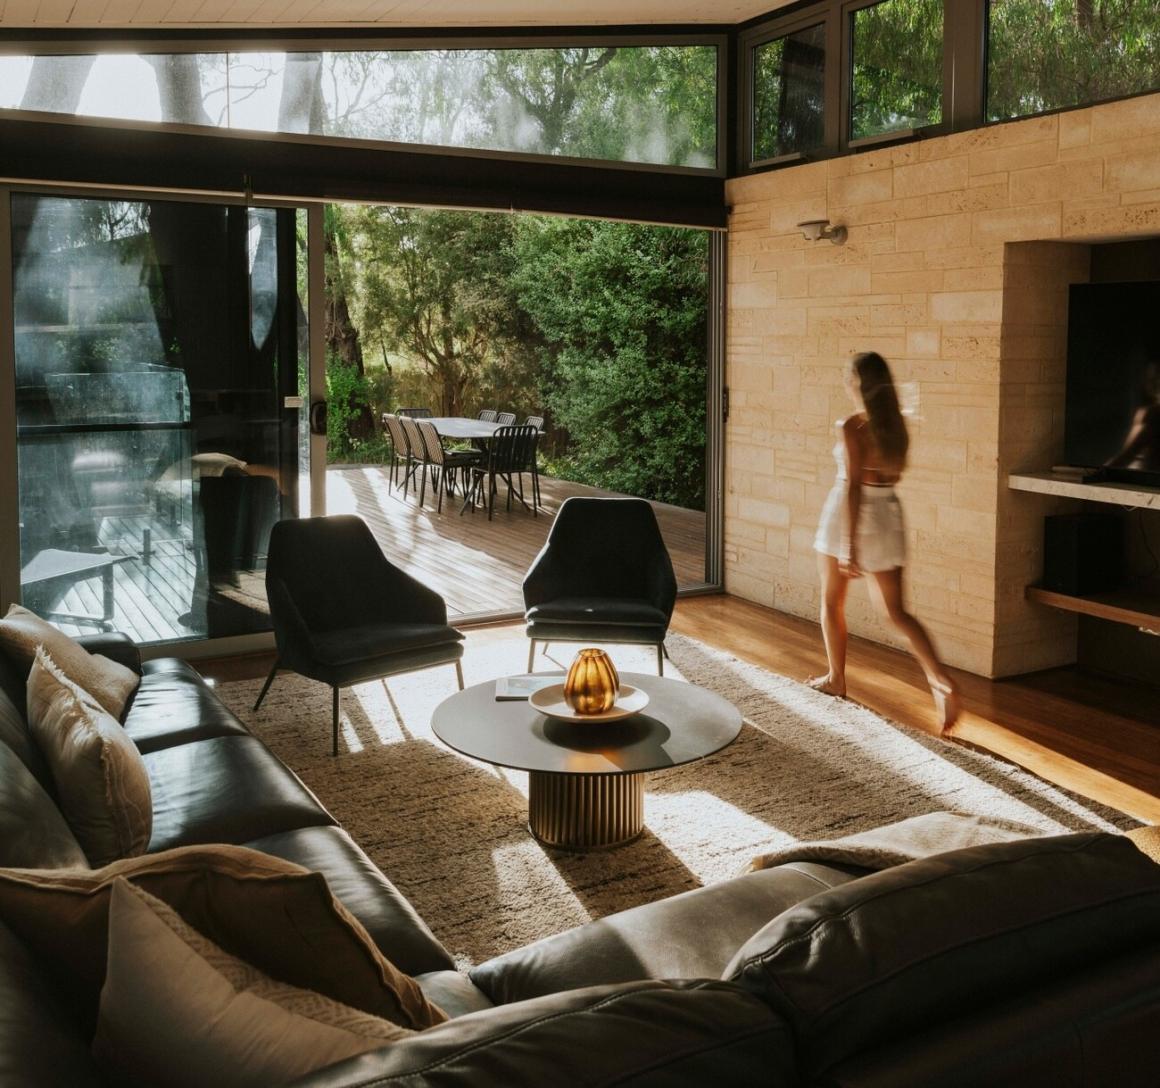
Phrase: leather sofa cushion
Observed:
(1097, 1029)
(691, 935)
(647, 1034)
(176, 1009)
(393, 924)
(109, 683)
(454, 993)
(15, 736)
(630, 611)
(227, 789)
(174, 705)
(900, 951)
(41, 1043)
(366, 640)
(100, 779)
(33, 833)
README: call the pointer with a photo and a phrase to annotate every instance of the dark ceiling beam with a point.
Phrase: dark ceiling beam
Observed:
(296, 168)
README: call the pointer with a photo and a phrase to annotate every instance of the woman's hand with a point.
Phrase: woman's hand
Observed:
(848, 565)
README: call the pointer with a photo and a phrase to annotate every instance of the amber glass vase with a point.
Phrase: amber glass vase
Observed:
(592, 684)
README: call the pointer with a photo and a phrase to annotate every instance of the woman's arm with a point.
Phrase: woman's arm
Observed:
(855, 462)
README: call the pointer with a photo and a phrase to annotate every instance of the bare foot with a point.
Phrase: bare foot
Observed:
(946, 705)
(827, 686)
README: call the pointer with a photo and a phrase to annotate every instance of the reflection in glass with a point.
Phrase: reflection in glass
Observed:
(789, 93)
(655, 104)
(1047, 54)
(897, 48)
(153, 341)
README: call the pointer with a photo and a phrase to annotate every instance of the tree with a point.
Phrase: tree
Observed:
(622, 314)
(435, 287)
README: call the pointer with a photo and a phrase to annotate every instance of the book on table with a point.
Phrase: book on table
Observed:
(511, 688)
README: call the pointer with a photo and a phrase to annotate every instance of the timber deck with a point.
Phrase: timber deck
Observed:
(477, 565)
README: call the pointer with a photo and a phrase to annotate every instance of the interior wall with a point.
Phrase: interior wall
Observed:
(922, 280)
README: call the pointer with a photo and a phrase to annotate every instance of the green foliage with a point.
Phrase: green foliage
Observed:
(621, 310)
(789, 93)
(1046, 54)
(347, 393)
(898, 66)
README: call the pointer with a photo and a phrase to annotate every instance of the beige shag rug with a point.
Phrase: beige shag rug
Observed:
(451, 833)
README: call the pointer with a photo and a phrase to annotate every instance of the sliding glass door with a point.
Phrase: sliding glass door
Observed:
(160, 361)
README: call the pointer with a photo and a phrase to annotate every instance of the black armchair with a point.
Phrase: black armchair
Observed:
(603, 575)
(343, 614)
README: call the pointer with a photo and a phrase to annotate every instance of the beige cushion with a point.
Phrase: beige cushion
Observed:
(178, 1010)
(110, 683)
(101, 782)
(1147, 840)
(272, 913)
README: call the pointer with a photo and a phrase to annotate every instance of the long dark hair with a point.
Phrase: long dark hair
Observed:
(887, 427)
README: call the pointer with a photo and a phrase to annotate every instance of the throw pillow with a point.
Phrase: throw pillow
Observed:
(178, 1010)
(272, 913)
(101, 782)
(110, 683)
(1147, 840)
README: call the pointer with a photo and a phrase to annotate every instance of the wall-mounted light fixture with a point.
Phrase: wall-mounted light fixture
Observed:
(814, 230)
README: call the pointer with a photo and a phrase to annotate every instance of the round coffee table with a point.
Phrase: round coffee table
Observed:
(586, 779)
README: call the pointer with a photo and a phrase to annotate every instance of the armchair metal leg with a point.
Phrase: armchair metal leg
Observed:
(660, 659)
(266, 685)
(532, 656)
(334, 722)
(459, 674)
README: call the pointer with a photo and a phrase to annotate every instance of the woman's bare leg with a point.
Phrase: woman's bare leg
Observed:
(834, 586)
(888, 589)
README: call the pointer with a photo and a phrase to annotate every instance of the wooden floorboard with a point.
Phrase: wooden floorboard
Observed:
(476, 564)
(1085, 733)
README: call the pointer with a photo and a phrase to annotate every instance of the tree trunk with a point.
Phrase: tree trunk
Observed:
(55, 83)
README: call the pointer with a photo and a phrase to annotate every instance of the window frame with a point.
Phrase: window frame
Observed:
(716, 38)
(748, 44)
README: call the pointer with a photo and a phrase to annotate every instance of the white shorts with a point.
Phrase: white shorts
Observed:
(881, 531)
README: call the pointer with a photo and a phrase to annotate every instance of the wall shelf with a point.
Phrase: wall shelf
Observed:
(1136, 609)
(1047, 483)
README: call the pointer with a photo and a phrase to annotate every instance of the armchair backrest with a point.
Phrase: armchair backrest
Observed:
(333, 573)
(601, 547)
(414, 438)
(488, 415)
(398, 437)
(432, 444)
(506, 419)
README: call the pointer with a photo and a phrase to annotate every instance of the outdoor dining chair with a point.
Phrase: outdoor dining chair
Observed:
(445, 464)
(507, 451)
(416, 413)
(488, 415)
(407, 457)
(506, 419)
(535, 421)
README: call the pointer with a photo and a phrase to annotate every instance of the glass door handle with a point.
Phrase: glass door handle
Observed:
(293, 402)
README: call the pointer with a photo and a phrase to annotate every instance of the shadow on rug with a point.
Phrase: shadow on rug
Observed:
(451, 833)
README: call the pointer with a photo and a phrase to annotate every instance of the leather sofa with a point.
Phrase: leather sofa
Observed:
(1030, 963)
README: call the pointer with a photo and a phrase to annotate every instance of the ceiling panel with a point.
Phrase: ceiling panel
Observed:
(384, 13)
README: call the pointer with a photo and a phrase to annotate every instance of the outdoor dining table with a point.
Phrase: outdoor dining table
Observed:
(458, 427)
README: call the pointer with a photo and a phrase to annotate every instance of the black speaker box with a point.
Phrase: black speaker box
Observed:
(1083, 553)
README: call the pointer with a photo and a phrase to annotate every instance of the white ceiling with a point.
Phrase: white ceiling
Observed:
(180, 14)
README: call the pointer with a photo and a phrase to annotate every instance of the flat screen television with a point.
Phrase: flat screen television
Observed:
(1112, 420)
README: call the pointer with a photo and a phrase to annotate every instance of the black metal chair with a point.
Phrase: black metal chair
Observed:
(344, 614)
(445, 464)
(416, 453)
(507, 452)
(603, 575)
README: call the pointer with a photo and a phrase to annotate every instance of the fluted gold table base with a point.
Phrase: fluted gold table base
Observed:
(585, 811)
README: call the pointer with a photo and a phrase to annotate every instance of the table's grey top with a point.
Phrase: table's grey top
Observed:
(57, 563)
(461, 427)
(680, 724)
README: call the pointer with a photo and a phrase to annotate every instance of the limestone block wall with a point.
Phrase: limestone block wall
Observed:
(928, 279)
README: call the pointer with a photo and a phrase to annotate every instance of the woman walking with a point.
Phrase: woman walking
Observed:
(861, 530)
